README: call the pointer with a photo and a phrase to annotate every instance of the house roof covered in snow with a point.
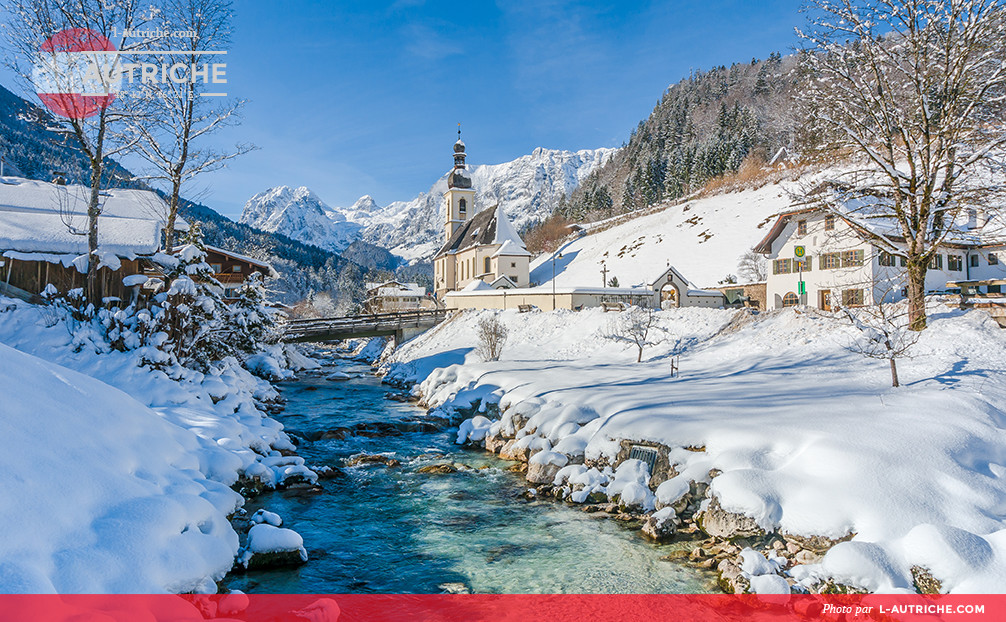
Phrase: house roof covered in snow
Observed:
(40, 217)
(245, 258)
(394, 288)
(872, 220)
(490, 226)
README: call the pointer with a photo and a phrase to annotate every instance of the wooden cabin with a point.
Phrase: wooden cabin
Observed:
(232, 269)
(43, 237)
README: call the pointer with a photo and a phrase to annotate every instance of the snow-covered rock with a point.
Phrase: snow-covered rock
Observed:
(270, 546)
(660, 525)
(544, 466)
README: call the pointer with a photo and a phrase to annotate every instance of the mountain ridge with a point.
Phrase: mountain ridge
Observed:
(529, 188)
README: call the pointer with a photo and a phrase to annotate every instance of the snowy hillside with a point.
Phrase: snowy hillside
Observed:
(787, 426)
(703, 239)
(527, 187)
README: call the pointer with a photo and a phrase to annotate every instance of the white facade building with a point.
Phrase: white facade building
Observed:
(849, 261)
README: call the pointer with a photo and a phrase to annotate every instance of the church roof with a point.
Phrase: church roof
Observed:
(483, 229)
(510, 248)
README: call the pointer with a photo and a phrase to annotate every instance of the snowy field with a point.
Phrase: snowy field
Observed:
(809, 437)
(116, 478)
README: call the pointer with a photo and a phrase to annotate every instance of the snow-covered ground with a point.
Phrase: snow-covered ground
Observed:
(116, 478)
(809, 438)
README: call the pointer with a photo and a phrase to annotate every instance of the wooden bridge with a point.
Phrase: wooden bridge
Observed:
(403, 325)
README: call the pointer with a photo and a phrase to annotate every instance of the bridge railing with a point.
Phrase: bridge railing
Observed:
(375, 319)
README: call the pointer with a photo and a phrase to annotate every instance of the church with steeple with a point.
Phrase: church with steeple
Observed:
(481, 250)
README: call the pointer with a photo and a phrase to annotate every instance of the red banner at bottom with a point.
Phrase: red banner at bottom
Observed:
(495, 608)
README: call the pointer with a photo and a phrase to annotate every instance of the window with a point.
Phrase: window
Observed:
(236, 269)
(489, 265)
(462, 207)
(936, 262)
(904, 263)
(788, 266)
(851, 259)
(829, 261)
(218, 268)
(993, 259)
(829, 222)
(886, 259)
(801, 227)
(852, 297)
(974, 261)
(513, 277)
(995, 289)
(790, 300)
(513, 264)
(955, 263)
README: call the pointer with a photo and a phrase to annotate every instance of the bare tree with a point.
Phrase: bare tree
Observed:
(180, 114)
(492, 337)
(884, 333)
(752, 267)
(30, 26)
(636, 326)
(914, 91)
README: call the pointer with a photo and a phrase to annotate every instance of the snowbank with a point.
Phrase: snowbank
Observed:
(119, 476)
(802, 435)
(96, 487)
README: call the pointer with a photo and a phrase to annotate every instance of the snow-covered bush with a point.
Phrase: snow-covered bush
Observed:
(188, 324)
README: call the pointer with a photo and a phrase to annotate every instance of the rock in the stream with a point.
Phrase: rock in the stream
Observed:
(327, 472)
(369, 459)
(438, 469)
(269, 518)
(660, 525)
(454, 588)
(338, 376)
(495, 443)
(271, 547)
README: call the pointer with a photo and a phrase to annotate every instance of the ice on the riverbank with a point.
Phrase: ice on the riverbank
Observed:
(786, 424)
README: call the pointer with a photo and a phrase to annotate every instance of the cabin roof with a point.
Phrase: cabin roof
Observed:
(37, 217)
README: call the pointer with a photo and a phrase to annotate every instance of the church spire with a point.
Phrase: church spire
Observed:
(459, 152)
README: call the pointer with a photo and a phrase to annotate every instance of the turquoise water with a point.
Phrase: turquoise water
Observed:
(378, 529)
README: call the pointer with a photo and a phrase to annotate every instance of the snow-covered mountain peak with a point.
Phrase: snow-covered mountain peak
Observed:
(366, 203)
(299, 213)
(527, 189)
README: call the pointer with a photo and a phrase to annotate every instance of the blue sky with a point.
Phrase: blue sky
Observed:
(353, 98)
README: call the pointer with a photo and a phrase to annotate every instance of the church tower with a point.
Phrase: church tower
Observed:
(460, 196)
